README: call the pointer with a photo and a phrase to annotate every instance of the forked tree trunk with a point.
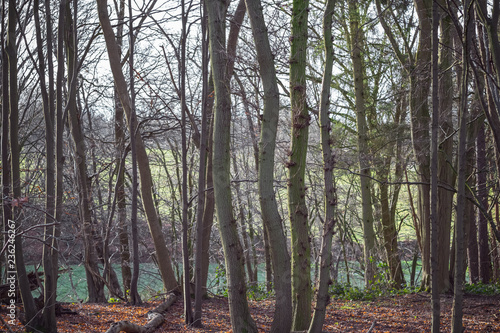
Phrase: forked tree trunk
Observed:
(241, 321)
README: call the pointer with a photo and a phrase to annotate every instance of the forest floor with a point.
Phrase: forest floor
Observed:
(406, 313)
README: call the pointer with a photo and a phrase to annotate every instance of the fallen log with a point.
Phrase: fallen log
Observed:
(155, 317)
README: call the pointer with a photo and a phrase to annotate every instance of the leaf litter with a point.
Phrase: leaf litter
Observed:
(404, 313)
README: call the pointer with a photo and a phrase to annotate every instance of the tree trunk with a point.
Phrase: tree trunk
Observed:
(435, 300)
(417, 68)
(297, 209)
(188, 313)
(357, 48)
(135, 299)
(457, 313)
(241, 320)
(446, 173)
(12, 218)
(482, 220)
(202, 173)
(146, 181)
(120, 129)
(272, 221)
(94, 280)
(330, 195)
(389, 232)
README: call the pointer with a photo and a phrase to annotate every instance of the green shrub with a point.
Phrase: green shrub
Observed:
(483, 289)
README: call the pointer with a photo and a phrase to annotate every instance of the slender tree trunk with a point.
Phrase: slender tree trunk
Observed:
(297, 209)
(435, 300)
(417, 68)
(135, 299)
(389, 232)
(273, 224)
(209, 209)
(329, 197)
(241, 320)
(188, 313)
(146, 181)
(11, 179)
(202, 169)
(446, 173)
(457, 313)
(94, 280)
(120, 129)
(241, 217)
(482, 220)
(420, 119)
(357, 49)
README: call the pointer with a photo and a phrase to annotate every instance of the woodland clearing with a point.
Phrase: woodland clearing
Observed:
(404, 313)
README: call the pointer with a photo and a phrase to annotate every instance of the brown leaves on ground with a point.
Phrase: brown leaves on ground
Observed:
(408, 313)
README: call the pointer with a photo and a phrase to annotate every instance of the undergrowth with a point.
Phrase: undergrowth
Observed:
(483, 289)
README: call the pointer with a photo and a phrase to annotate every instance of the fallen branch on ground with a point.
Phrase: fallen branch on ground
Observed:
(155, 317)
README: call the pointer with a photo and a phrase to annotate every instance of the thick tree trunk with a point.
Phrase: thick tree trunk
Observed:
(241, 320)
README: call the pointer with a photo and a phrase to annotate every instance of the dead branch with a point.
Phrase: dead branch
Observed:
(155, 317)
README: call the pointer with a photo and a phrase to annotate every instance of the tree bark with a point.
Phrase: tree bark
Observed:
(457, 311)
(135, 299)
(272, 220)
(297, 209)
(417, 68)
(435, 300)
(446, 173)
(357, 49)
(482, 220)
(120, 128)
(241, 320)
(94, 280)
(329, 196)
(146, 181)
(202, 173)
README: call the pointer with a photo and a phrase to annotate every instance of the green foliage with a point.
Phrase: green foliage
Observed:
(483, 289)
(258, 292)
(220, 280)
(379, 287)
(114, 300)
